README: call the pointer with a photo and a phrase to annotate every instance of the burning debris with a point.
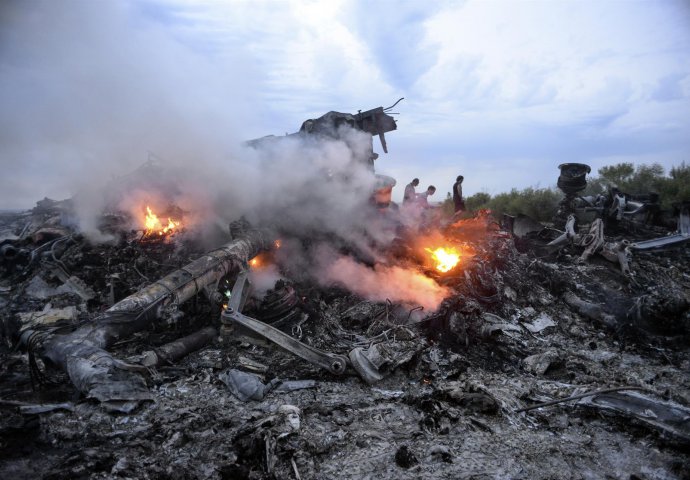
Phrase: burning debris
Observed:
(370, 345)
(153, 226)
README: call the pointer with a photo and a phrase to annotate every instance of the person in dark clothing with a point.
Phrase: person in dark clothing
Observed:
(457, 195)
(410, 195)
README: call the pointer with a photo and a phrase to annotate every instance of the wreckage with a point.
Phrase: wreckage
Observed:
(537, 352)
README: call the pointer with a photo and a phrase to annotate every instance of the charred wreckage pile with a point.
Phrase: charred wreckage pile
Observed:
(500, 348)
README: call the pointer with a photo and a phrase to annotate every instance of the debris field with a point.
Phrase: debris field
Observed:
(521, 325)
(407, 344)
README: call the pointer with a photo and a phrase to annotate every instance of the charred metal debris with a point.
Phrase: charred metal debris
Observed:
(556, 353)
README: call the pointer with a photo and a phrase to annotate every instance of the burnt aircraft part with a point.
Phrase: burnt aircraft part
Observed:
(521, 225)
(377, 122)
(374, 122)
(336, 364)
(682, 236)
(368, 364)
(231, 316)
(82, 353)
(614, 208)
(279, 306)
(8, 251)
(668, 418)
(173, 351)
(12, 255)
(573, 177)
(383, 191)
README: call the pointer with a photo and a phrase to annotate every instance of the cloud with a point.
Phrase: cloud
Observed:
(394, 32)
(489, 86)
(519, 88)
(670, 87)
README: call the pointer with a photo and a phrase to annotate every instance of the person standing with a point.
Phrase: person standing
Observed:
(423, 198)
(410, 196)
(457, 195)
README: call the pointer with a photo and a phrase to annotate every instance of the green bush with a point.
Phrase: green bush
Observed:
(676, 187)
(477, 201)
(538, 203)
(541, 203)
(649, 178)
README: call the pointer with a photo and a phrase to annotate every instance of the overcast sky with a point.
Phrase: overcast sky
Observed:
(498, 91)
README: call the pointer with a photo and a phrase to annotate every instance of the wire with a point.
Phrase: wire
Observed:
(399, 100)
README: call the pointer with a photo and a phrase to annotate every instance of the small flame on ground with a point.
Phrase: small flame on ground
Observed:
(261, 261)
(446, 258)
(277, 243)
(153, 224)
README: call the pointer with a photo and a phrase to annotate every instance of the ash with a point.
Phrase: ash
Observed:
(438, 393)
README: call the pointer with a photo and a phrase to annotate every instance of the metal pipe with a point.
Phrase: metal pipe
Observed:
(179, 348)
(82, 353)
(8, 251)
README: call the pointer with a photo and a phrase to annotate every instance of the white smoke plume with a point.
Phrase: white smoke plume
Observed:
(382, 283)
(264, 279)
(89, 88)
(89, 91)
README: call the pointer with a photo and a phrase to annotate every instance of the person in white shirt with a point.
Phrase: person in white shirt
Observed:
(423, 198)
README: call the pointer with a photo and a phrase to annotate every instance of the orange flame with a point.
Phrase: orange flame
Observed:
(153, 225)
(446, 258)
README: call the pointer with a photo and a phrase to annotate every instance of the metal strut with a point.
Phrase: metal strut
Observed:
(334, 363)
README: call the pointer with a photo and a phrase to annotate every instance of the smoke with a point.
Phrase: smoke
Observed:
(91, 92)
(87, 91)
(382, 283)
(264, 279)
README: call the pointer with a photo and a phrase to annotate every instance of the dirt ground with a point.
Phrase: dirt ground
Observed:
(506, 339)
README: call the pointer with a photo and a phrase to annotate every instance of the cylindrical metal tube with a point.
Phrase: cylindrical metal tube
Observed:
(173, 351)
(135, 312)
(8, 251)
(82, 353)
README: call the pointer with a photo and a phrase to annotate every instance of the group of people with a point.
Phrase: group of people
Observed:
(411, 197)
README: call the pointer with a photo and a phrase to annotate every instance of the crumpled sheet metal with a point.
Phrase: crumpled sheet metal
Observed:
(106, 379)
(660, 243)
(669, 418)
(82, 353)
(247, 386)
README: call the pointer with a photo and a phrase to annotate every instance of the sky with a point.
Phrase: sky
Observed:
(500, 92)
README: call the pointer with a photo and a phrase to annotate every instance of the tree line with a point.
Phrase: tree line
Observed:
(541, 203)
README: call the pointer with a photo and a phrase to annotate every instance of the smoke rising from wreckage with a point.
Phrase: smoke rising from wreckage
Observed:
(319, 332)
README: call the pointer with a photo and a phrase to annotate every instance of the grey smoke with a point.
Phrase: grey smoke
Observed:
(88, 91)
(88, 88)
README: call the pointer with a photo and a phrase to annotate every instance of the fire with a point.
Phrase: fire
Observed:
(153, 225)
(446, 258)
(255, 262)
(277, 243)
